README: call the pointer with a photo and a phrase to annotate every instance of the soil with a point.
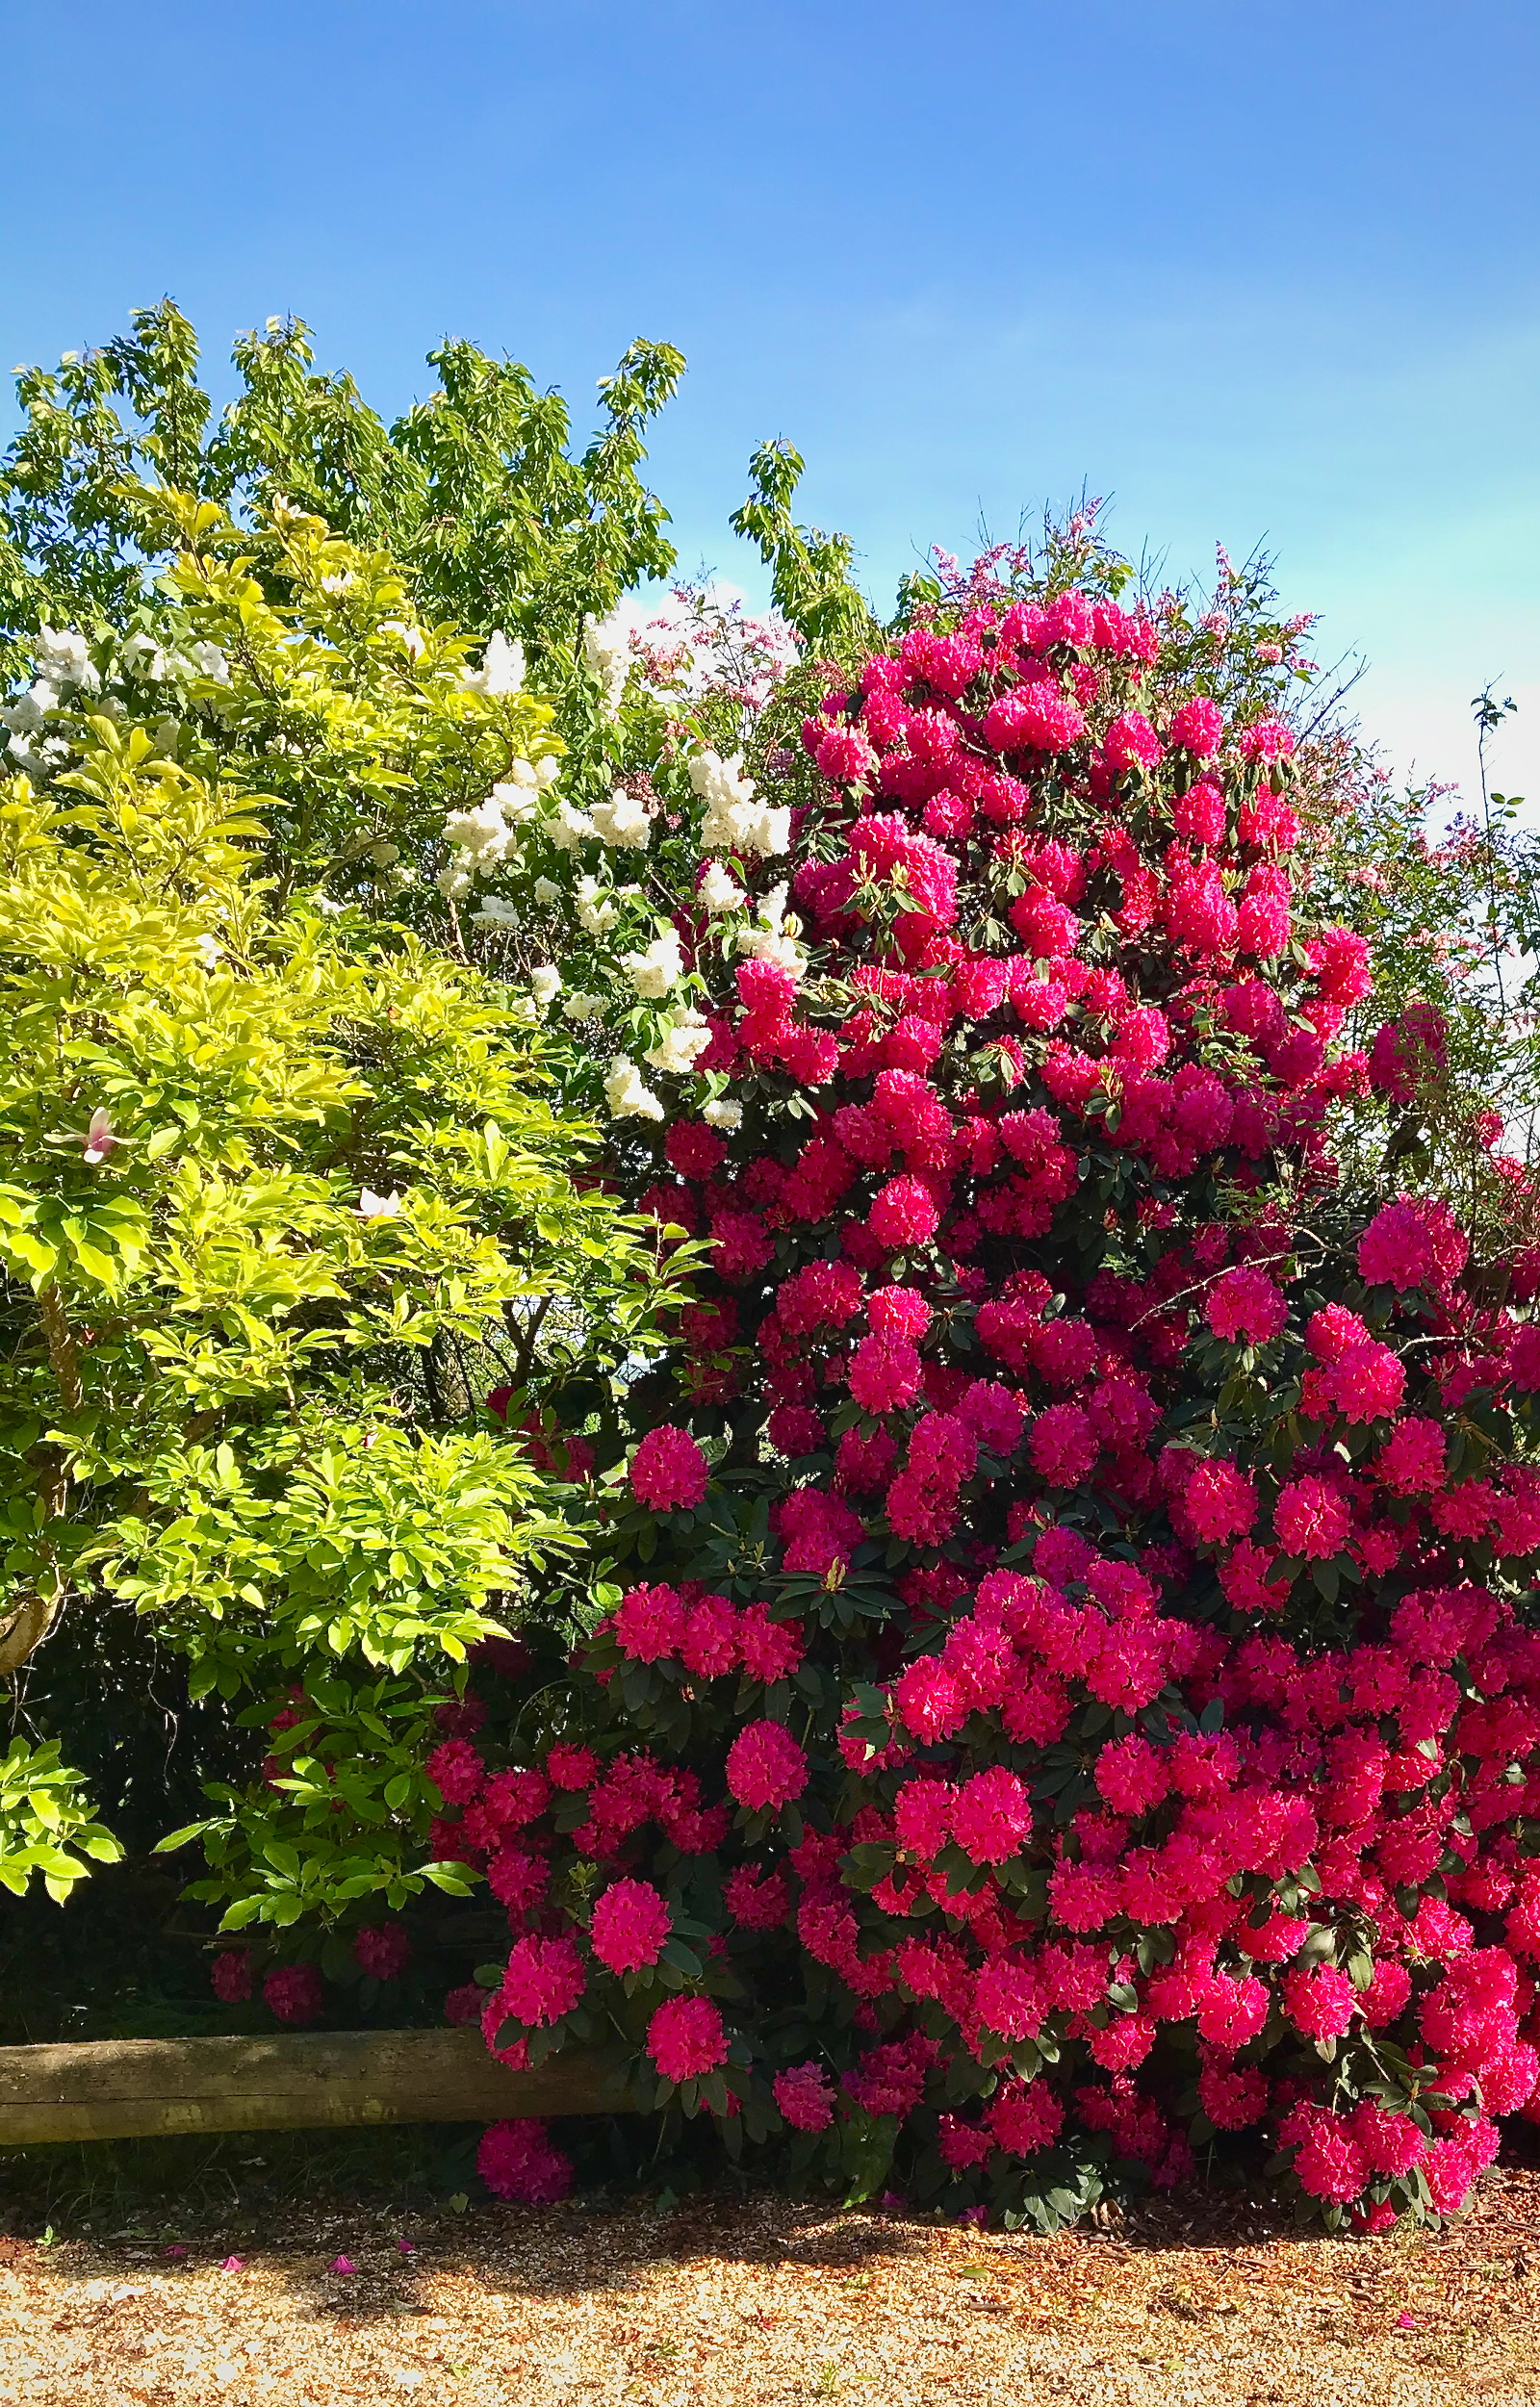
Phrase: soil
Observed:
(761, 2304)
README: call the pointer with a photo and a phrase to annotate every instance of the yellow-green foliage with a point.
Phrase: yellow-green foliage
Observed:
(274, 1182)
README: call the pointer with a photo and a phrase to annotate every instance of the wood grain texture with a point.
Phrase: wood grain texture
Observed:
(146, 2088)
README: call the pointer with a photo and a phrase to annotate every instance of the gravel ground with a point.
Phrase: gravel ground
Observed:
(763, 2304)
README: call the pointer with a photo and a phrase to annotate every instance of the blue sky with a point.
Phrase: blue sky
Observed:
(1260, 273)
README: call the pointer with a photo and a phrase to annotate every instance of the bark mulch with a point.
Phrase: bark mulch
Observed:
(763, 2304)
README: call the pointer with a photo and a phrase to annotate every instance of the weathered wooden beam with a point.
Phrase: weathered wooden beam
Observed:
(144, 2089)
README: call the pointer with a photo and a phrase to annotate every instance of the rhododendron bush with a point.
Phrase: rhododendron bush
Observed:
(1068, 1710)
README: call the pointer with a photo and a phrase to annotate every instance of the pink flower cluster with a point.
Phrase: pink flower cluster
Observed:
(1137, 1671)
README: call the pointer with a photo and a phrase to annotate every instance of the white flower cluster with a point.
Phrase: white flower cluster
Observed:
(656, 969)
(607, 655)
(598, 906)
(684, 1039)
(628, 1092)
(622, 822)
(489, 832)
(502, 670)
(720, 891)
(774, 939)
(64, 666)
(735, 817)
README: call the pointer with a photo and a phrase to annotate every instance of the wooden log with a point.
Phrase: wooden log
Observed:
(146, 2088)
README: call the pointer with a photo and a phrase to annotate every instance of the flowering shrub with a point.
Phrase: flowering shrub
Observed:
(1081, 1708)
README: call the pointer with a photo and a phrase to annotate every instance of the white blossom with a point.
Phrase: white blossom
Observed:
(582, 1007)
(569, 827)
(735, 817)
(412, 637)
(546, 892)
(517, 802)
(545, 985)
(622, 821)
(341, 583)
(99, 1140)
(142, 655)
(607, 653)
(210, 954)
(27, 713)
(482, 833)
(502, 670)
(722, 1115)
(209, 662)
(372, 1207)
(628, 1093)
(684, 1040)
(494, 913)
(596, 907)
(454, 880)
(655, 969)
(65, 658)
(720, 891)
(774, 937)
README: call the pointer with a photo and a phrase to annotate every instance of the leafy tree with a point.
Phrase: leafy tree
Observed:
(286, 1192)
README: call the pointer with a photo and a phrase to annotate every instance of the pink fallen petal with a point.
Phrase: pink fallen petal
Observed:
(1407, 2322)
(343, 2265)
(232, 2265)
(176, 2249)
(407, 2247)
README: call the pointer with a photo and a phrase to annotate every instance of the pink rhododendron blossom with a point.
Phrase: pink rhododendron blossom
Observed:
(805, 2096)
(669, 1472)
(630, 1926)
(766, 1766)
(518, 2161)
(685, 2039)
(294, 1992)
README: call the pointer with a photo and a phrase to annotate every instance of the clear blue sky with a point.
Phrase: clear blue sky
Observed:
(1260, 273)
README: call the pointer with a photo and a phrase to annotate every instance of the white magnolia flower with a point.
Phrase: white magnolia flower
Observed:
(622, 821)
(99, 1140)
(209, 662)
(655, 969)
(597, 909)
(502, 670)
(607, 653)
(340, 583)
(372, 1207)
(722, 1115)
(582, 1007)
(210, 954)
(495, 912)
(65, 658)
(720, 891)
(735, 818)
(682, 1042)
(628, 1093)
(545, 985)
(546, 892)
(141, 655)
(569, 827)
(27, 714)
(412, 637)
